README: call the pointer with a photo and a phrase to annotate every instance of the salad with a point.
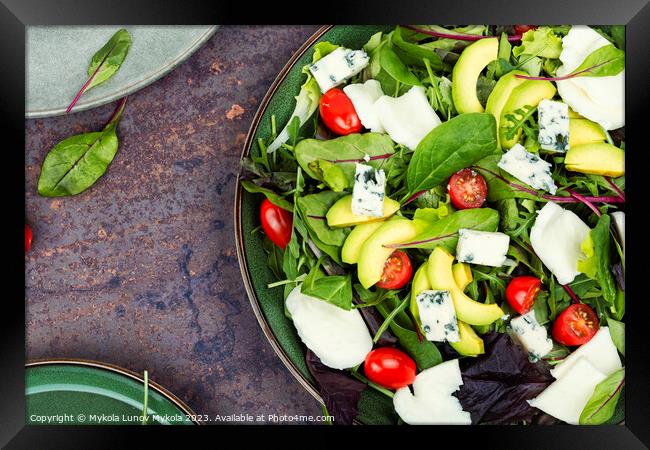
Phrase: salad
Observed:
(444, 212)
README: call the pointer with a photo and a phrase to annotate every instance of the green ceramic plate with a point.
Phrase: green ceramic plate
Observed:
(57, 59)
(374, 408)
(92, 393)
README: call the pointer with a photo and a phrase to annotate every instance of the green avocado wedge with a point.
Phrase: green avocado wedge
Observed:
(466, 71)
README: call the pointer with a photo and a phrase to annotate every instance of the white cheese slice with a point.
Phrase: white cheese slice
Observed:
(338, 337)
(600, 99)
(431, 402)
(556, 236)
(565, 398)
(600, 351)
(532, 336)
(363, 97)
(619, 224)
(407, 119)
(338, 66)
(438, 316)
(553, 125)
(528, 167)
(368, 191)
(482, 247)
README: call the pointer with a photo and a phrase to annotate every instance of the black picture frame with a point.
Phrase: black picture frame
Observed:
(15, 15)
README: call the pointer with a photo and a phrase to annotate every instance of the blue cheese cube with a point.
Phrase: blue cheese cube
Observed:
(368, 191)
(553, 125)
(338, 66)
(531, 336)
(529, 168)
(438, 316)
(482, 247)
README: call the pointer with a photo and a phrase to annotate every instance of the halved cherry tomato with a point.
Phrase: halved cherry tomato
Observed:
(338, 113)
(28, 238)
(576, 325)
(397, 271)
(389, 367)
(467, 189)
(521, 29)
(276, 222)
(521, 293)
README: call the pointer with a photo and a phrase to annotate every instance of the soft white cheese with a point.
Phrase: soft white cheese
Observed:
(363, 97)
(553, 125)
(407, 119)
(531, 336)
(338, 337)
(338, 66)
(368, 191)
(565, 398)
(438, 316)
(482, 247)
(528, 167)
(619, 224)
(600, 99)
(600, 351)
(431, 402)
(556, 236)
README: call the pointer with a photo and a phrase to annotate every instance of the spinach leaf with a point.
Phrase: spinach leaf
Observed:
(617, 331)
(334, 289)
(330, 174)
(76, 163)
(413, 53)
(600, 236)
(105, 63)
(444, 231)
(274, 198)
(603, 62)
(451, 146)
(313, 208)
(602, 404)
(390, 62)
(345, 152)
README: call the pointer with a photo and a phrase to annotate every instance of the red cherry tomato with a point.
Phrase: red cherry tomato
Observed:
(389, 367)
(338, 113)
(397, 271)
(576, 325)
(28, 238)
(276, 222)
(521, 293)
(521, 29)
(467, 189)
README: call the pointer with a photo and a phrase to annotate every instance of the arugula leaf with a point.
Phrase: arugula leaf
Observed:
(602, 404)
(540, 42)
(76, 163)
(451, 146)
(334, 289)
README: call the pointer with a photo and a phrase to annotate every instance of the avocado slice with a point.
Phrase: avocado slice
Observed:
(470, 343)
(340, 213)
(528, 93)
(420, 283)
(582, 131)
(598, 158)
(352, 245)
(466, 71)
(467, 310)
(501, 92)
(374, 253)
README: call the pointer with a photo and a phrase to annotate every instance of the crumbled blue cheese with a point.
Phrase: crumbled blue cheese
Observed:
(487, 248)
(338, 66)
(528, 167)
(438, 316)
(531, 336)
(553, 125)
(368, 191)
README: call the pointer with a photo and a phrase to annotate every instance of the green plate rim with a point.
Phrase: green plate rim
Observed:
(120, 371)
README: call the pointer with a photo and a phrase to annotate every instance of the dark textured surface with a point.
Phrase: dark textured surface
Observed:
(141, 270)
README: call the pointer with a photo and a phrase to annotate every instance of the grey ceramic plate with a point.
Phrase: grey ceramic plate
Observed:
(57, 59)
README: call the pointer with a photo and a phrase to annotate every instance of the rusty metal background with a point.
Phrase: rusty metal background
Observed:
(141, 270)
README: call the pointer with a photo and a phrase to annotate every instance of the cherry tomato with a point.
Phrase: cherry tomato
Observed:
(467, 189)
(389, 367)
(397, 271)
(276, 222)
(521, 293)
(28, 238)
(521, 29)
(338, 113)
(576, 325)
